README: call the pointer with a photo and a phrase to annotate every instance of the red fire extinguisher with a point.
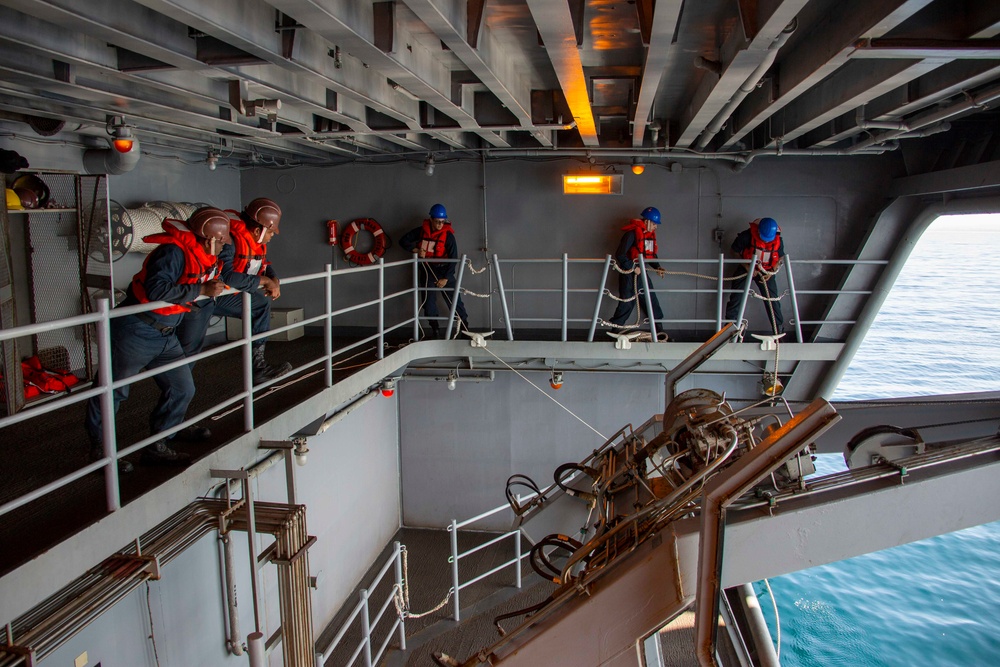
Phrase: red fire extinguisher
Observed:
(331, 232)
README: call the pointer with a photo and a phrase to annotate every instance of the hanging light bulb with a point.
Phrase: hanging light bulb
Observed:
(452, 380)
(389, 387)
(637, 166)
(301, 450)
(556, 382)
(429, 165)
(121, 135)
(212, 160)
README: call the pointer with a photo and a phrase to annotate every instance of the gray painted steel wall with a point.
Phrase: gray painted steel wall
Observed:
(459, 447)
(825, 208)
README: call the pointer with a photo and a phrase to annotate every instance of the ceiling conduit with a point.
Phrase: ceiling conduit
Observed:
(970, 103)
(51, 624)
(748, 87)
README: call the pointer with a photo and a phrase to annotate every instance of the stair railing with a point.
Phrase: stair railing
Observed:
(368, 624)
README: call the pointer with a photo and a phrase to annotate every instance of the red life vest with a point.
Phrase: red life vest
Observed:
(199, 265)
(433, 243)
(767, 251)
(40, 380)
(250, 256)
(645, 242)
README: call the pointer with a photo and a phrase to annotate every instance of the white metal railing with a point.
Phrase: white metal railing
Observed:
(106, 384)
(456, 584)
(362, 610)
(507, 294)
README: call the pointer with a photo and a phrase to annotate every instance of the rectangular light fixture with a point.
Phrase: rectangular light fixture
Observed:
(592, 184)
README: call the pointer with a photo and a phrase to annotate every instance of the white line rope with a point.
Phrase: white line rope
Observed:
(401, 593)
(545, 394)
(472, 269)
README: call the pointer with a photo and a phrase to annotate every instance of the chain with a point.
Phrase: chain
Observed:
(470, 293)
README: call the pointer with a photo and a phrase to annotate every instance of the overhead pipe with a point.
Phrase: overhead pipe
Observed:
(743, 161)
(859, 120)
(968, 104)
(926, 132)
(748, 86)
(234, 645)
(337, 416)
(50, 625)
(110, 161)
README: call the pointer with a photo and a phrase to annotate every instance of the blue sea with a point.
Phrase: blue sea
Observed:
(934, 602)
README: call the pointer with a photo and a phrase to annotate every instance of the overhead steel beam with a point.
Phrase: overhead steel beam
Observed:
(112, 99)
(662, 26)
(849, 88)
(284, 84)
(740, 56)
(249, 26)
(555, 24)
(123, 24)
(983, 49)
(823, 51)
(814, 109)
(153, 35)
(932, 88)
(352, 26)
(499, 69)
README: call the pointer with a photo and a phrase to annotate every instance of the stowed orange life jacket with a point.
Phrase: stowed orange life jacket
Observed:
(199, 265)
(433, 243)
(250, 256)
(767, 251)
(645, 242)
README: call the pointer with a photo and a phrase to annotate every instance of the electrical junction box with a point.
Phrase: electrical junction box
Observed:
(280, 317)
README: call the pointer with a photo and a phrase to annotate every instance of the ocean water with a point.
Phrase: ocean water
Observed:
(935, 602)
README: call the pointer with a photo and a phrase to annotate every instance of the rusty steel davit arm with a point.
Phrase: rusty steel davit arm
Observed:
(729, 485)
(697, 358)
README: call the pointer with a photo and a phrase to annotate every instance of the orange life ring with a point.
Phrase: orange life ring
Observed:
(350, 236)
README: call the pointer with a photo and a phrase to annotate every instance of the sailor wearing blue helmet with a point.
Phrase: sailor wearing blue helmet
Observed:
(639, 239)
(763, 239)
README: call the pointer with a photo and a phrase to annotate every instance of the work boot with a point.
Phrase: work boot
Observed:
(97, 453)
(435, 330)
(159, 453)
(194, 434)
(263, 371)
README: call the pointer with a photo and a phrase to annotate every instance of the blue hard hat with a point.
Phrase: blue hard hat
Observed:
(651, 213)
(438, 212)
(767, 228)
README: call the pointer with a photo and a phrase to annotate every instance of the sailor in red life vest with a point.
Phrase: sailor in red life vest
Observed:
(763, 238)
(183, 267)
(639, 238)
(245, 268)
(435, 239)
